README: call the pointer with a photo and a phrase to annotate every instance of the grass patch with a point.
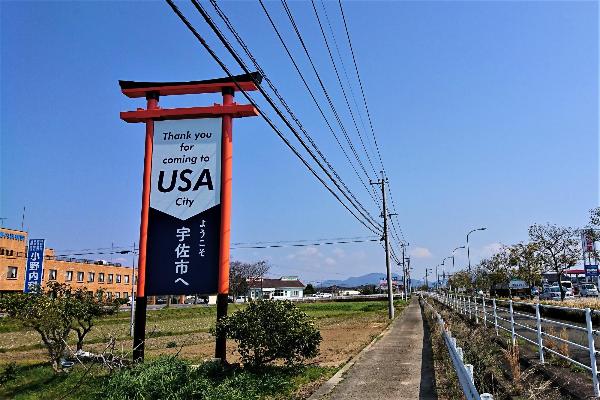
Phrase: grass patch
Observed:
(207, 382)
(41, 383)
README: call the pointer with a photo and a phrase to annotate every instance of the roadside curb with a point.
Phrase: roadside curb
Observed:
(332, 382)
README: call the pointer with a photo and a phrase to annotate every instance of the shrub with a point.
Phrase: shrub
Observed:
(9, 373)
(171, 344)
(268, 330)
(164, 378)
(170, 378)
(50, 313)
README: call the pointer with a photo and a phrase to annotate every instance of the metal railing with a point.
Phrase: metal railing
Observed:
(533, 328)
(463, 371)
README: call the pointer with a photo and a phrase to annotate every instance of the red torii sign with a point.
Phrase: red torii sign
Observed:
(172, 217)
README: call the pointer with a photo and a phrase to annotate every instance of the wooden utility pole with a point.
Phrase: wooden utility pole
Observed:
(385, 216)
(404, 270)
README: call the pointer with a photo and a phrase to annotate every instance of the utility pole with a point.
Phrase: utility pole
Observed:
(426, 281)
(404, 272)
(385, 215)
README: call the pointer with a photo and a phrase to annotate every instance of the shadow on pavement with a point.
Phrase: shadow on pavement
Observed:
(427, 388)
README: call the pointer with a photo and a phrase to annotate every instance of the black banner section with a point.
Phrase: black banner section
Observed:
(183, 256)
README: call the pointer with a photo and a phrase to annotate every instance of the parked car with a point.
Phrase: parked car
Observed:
(535, 291)
(550, 293)
(588, 289)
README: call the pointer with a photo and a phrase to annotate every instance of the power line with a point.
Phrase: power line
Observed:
(322, 85)
(312, 95)
(364, 98)
(360, 83)
(342, 86)
(339, 53)
(305, 244)
(241, 42)
(265, 117)
(241, 63)
(303, 240)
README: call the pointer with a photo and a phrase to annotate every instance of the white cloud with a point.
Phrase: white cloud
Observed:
(490, 249)
(309, 251)
(330, 261)
(420, 252)
(338, 252)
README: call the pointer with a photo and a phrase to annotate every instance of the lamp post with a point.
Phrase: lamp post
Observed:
(468, 252)
(460, 247)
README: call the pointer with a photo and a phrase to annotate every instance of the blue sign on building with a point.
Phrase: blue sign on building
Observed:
(35, 264)
(591, 271)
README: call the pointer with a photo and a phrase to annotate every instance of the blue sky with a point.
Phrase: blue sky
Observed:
(486, 113)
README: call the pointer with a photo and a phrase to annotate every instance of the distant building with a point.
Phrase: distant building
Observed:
(286, 287)
(115, 280)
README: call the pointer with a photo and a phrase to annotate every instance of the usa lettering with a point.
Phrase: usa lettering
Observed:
(186, 184)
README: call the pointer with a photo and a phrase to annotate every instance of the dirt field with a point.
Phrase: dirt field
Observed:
(345, 327)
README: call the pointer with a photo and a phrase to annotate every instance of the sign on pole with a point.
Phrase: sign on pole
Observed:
(185, 207)
(591, 271)
(35, 264)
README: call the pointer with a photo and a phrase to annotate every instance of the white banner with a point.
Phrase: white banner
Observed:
(186, 166)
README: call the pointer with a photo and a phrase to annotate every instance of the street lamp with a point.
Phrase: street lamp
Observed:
(468, 252)
(460, 247)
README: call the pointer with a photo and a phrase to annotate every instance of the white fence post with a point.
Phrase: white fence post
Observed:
(495, 316)
(469, 368)
(512, 322)
(539, 332)
(483, 309)
(470, 313)
(590, 332)
(476, 315)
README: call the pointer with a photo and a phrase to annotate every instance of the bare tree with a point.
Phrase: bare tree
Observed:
(241, 274)
(526, 258)
(498, 267)
(557, 247)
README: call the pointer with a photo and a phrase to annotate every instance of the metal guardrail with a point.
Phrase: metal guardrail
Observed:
(479, 309)
(353, 296)
(463, 371)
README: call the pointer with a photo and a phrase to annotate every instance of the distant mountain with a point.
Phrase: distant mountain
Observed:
(368, 279)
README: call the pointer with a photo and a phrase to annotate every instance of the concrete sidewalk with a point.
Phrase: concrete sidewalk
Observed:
(397, 366)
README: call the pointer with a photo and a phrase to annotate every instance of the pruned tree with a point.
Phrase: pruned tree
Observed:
(526, 258)
(593, 229)
(238, 282)
(498, 267)
(481, 278)
(49, 312)
(87, 308)
(461, 280)
(595, 216)
(241, 274)
(310, 289)
(557, 247)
